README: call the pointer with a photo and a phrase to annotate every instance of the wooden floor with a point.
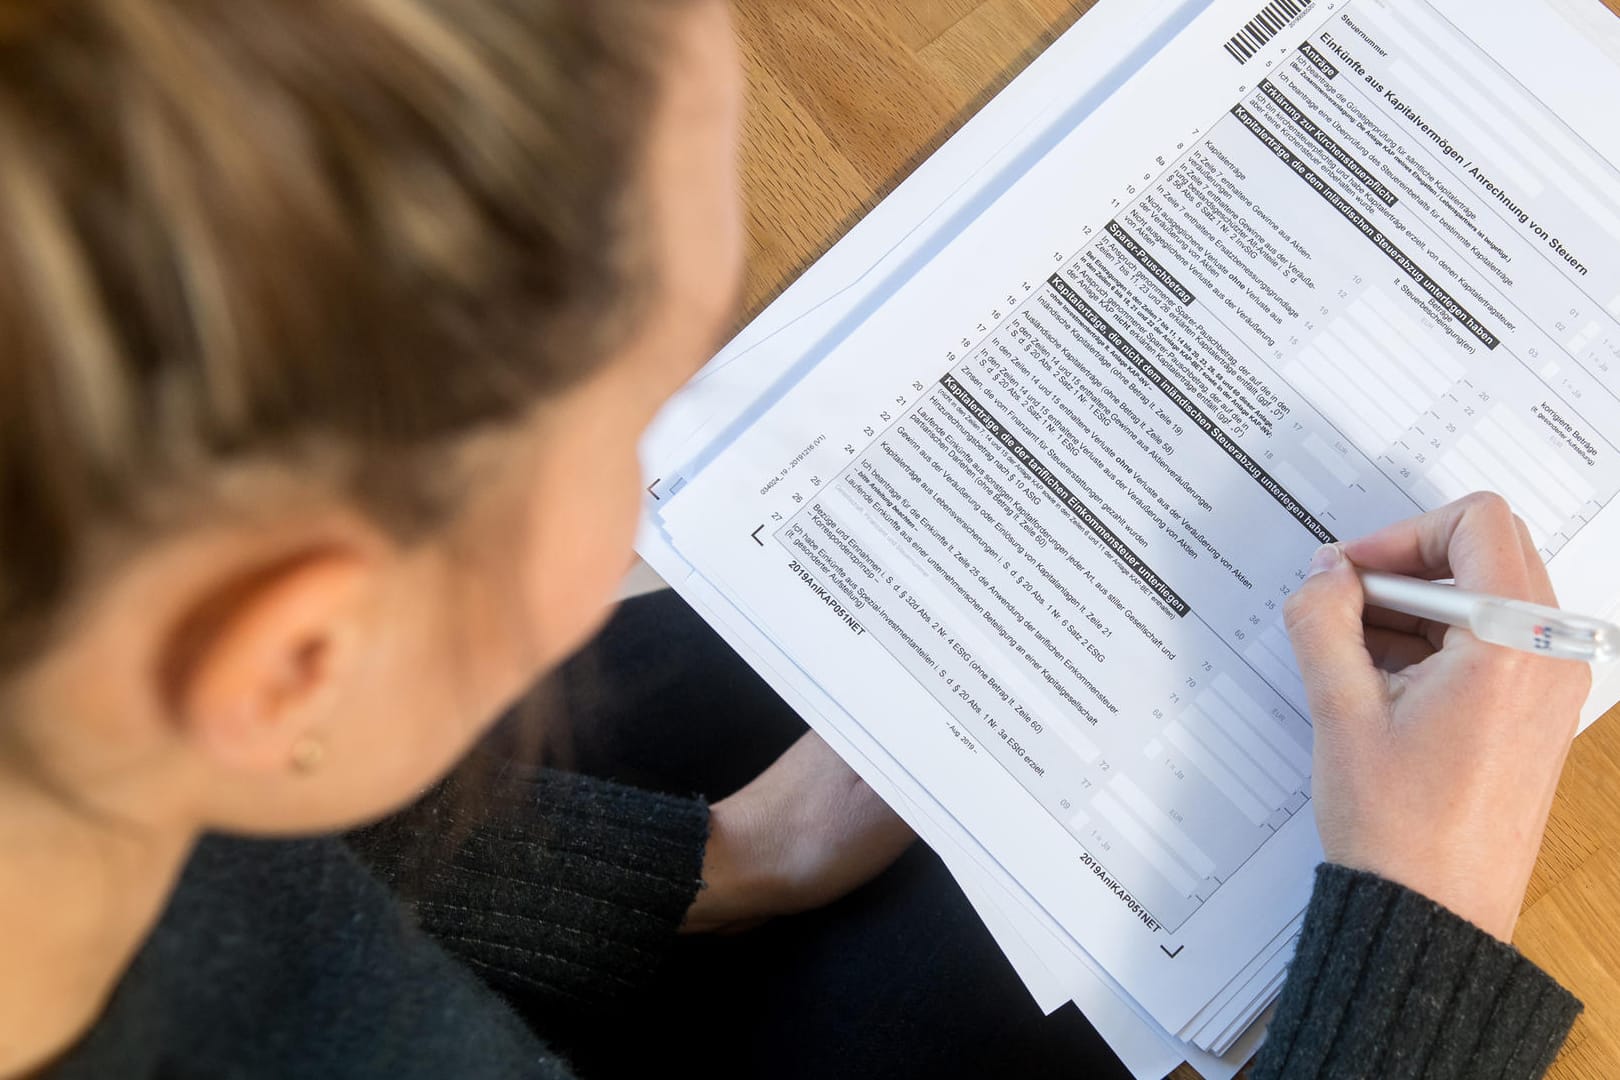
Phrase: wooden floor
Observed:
(847, 97)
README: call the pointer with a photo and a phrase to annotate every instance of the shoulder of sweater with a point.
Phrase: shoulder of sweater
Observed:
(561, 890)
(279, 958)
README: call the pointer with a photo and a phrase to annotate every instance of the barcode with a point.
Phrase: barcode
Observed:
(1273, 19)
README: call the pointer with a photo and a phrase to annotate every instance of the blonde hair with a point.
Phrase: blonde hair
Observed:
(345, 231)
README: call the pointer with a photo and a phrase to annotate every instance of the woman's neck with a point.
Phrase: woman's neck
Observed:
(78, 896)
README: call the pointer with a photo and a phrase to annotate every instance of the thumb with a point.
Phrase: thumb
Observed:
(1323, 617)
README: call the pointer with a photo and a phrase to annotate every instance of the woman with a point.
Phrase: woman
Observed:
(328, 332)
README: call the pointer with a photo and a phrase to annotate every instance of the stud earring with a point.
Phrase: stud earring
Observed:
(307, 755)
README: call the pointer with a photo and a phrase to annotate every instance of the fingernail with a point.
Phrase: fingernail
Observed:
(1327, 557)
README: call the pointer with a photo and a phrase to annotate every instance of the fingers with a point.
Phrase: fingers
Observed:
(1540, 580)
(1393, 651)
(1477, 540)
(1324, 624)
(1395, 622)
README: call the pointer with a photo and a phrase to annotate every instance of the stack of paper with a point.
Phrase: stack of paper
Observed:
(1005, 493)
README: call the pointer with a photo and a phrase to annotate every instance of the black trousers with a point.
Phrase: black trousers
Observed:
(899, 979)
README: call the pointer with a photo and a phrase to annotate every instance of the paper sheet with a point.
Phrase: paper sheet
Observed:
(1262, 350)
(723, 415)
(1045, 101)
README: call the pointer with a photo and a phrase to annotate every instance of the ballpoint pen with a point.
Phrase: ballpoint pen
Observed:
(1516, 624)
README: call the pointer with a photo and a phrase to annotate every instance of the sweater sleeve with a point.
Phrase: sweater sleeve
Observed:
(560, 890)
(1387, 983)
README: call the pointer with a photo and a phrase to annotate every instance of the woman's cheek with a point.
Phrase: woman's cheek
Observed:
(586, 547)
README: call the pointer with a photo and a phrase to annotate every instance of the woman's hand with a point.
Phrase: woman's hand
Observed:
(804, 833)
(1437, 756)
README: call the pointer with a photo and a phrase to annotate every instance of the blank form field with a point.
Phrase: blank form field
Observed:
(1409, 329)
(1219, 775)
(1537, 457)
(1204, 728)
(1137, 835)
(1331, 459)
(1349, 368)
(1381, 327)
(1376, 358)
(1449, 486)
(1587, 335)
(1532, 501)
(1260, 751)
(1352, 397)
(1263, 722)
(1164, 827)
(1479, 479)
(1274, 644)
(1274, 671)
(1328, 403)
(1075, 740)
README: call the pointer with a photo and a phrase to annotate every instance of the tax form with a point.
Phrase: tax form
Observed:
(1049, 98)
(1029, 524)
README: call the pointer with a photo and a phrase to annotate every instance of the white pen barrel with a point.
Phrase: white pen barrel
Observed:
(1424, 599)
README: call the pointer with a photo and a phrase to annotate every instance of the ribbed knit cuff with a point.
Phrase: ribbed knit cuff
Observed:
(564, 890)
(1386, 983)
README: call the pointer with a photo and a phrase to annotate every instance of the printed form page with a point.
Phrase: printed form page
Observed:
(1032, 524)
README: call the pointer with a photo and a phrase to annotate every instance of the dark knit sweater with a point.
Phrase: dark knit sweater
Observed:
(1386, 983)
(291, 959)
(560, 891)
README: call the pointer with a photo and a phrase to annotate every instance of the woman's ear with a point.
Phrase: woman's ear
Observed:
(251, 676)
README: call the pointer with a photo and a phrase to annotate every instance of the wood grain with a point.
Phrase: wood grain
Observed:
(847, 97)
